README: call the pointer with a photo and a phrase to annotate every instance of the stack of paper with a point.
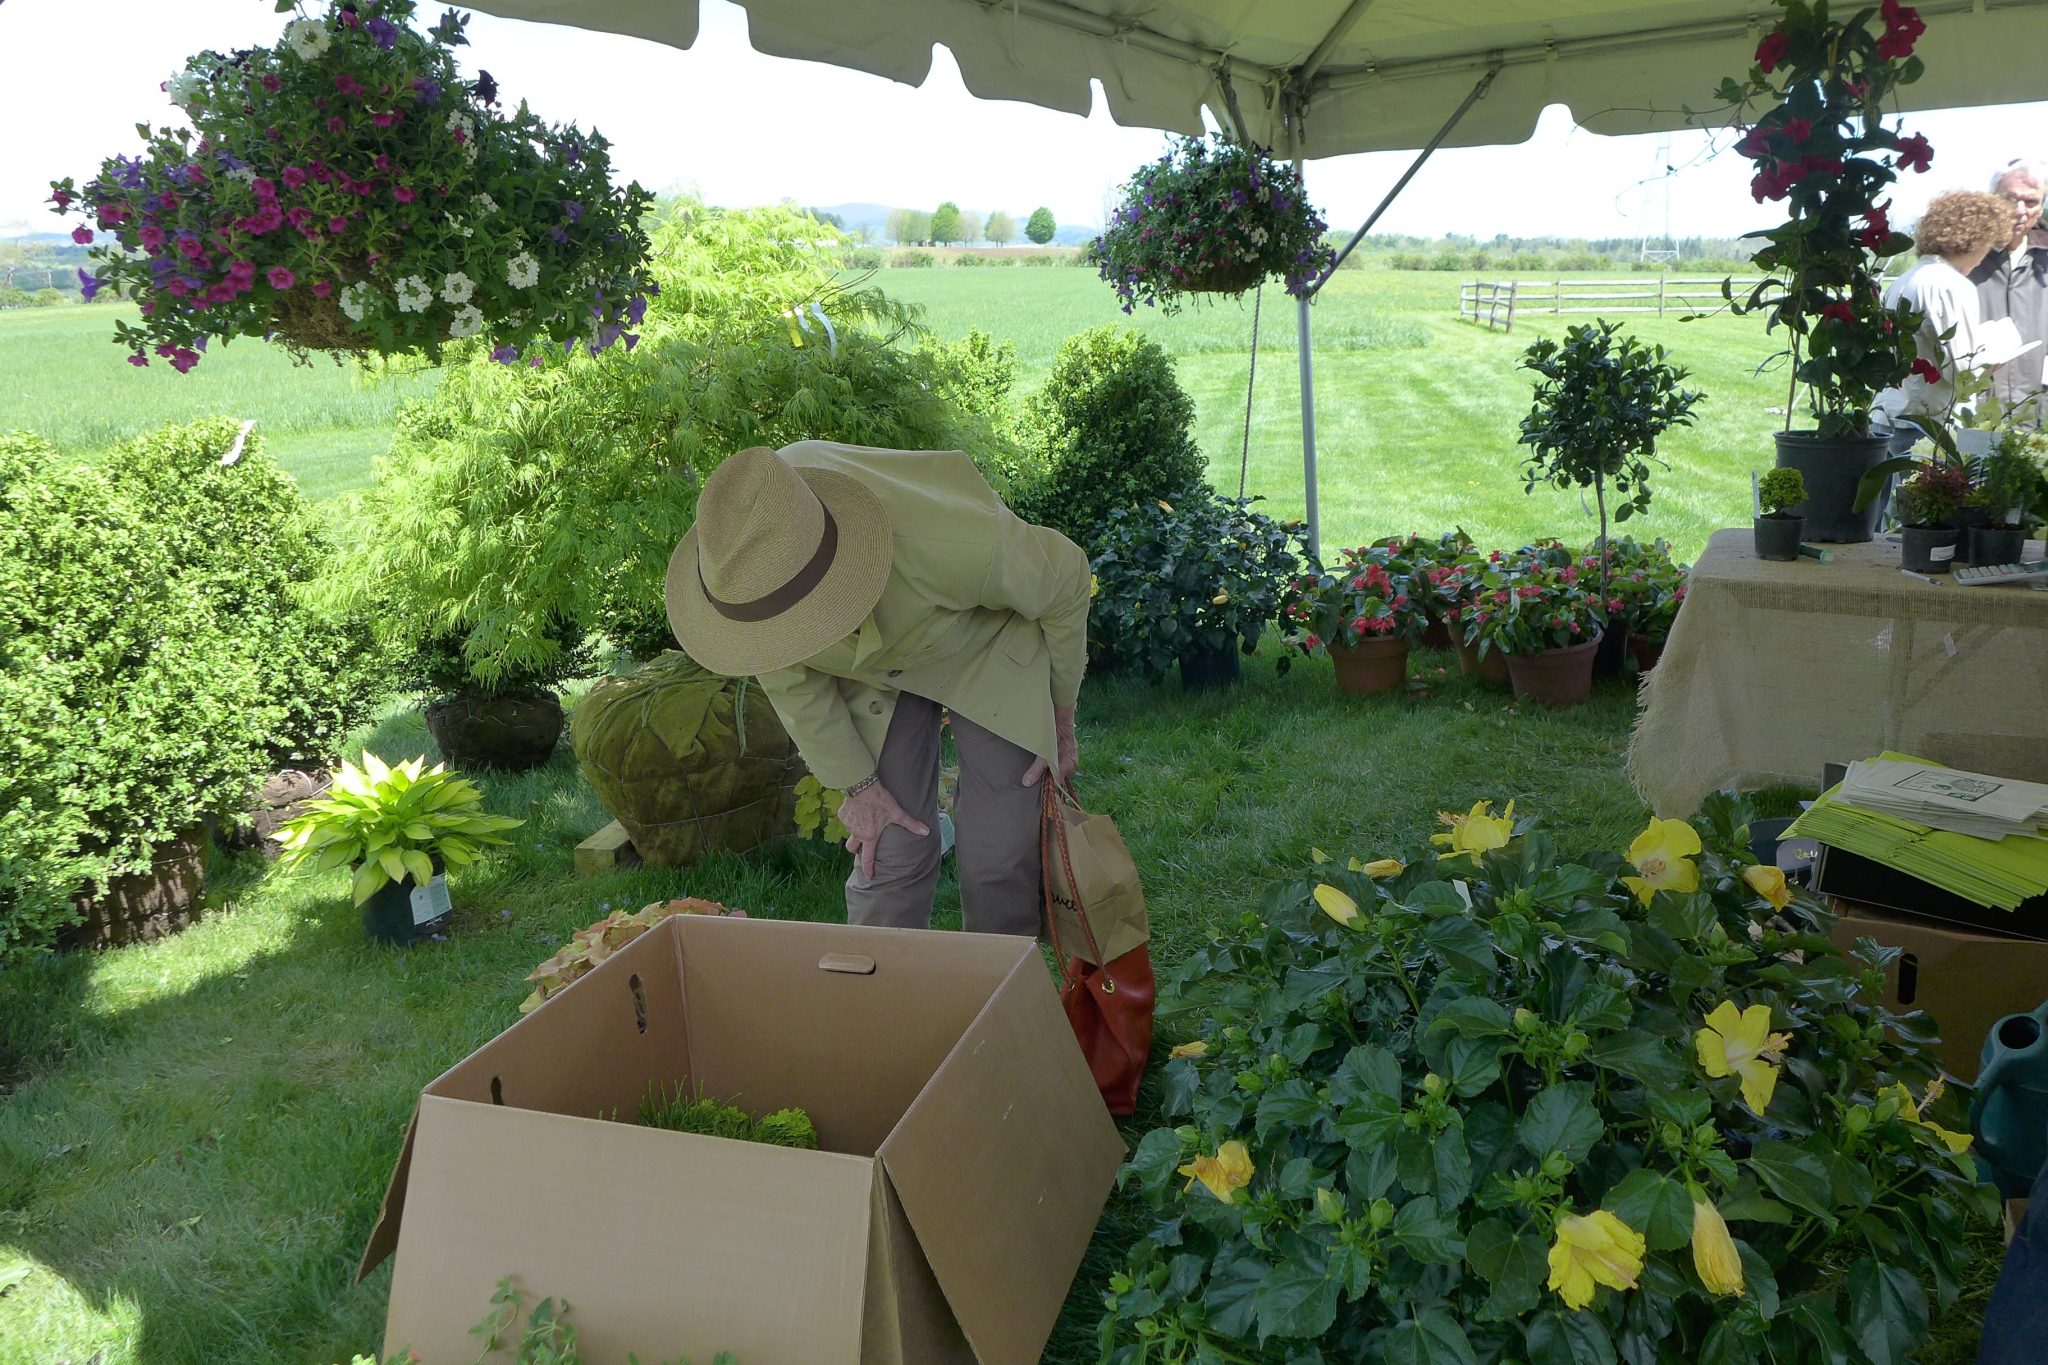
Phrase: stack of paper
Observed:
(1947, 798)
(1991, 872)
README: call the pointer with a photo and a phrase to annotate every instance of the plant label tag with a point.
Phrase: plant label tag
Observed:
(1941, 554)
(430, 902)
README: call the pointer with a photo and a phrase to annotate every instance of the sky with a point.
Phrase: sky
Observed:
(742, 128)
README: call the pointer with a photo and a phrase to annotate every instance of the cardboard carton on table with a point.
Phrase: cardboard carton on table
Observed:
(965, 1155)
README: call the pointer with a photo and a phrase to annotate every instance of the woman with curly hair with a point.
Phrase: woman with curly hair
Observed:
(1953, 237)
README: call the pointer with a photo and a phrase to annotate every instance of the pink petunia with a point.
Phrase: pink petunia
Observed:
(81, 235)
(280, 277)
(151, 236)
(322, 288)
(336, 123)
(293, 177)
(272, 84)
(402, 194)
(348, 85)
(337, 224)
(139, 360)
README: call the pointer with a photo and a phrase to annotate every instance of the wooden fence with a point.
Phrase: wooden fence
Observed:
(1495, 302)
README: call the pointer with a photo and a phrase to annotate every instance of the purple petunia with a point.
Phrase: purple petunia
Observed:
(560, 237)
(636, 309)
(128, 172)
(429, 91)
(505, 355)
(383, 30)
(88, 285)
(573, 209)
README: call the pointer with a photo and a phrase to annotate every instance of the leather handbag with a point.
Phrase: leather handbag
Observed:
(1095, 919)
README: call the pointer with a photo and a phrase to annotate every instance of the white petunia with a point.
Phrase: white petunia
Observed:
(245, 174)
(307, 37)
(484, 203)
(186, 89)
(456, 287)
(468, 321)
(355, 300)
(414, 294)
(522, 271)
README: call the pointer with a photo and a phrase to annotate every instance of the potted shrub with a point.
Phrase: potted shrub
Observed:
(1424, 554)
(1928, 502)
(1363, 613)
(1820, 146)
(1646, 587)
(1601, 402)
(507, 717)
(1210, 216)
(1468, 588)
(400, 829)
(1548, 624)
(1194, 582)
(346, 190)
(2011, 491)
(1780, 526)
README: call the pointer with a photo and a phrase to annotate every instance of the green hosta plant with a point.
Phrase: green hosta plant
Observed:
(1488, 1103)
(387, 822)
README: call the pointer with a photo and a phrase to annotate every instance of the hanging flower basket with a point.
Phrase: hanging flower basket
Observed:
(1210, 217)
(345, 190)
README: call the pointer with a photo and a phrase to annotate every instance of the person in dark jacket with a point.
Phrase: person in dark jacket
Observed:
(2012, 282)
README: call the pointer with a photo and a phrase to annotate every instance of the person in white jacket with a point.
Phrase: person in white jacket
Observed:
(1953, 237)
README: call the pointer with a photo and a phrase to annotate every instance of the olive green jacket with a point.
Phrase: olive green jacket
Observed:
(984, 613)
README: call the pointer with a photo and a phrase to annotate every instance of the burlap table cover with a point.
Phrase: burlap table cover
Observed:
(1775, 669)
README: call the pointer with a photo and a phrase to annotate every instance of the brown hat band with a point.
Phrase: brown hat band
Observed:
(789, 594)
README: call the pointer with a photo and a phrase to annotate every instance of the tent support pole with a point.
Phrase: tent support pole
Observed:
(1308, 373)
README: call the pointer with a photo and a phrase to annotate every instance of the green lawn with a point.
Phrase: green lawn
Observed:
(1416, 412)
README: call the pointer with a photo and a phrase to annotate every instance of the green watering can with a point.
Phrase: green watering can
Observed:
(2009, 1115)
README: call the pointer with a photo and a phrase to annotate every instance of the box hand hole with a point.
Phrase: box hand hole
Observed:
(639, 1003)
(497, 1091)
(1909, 977)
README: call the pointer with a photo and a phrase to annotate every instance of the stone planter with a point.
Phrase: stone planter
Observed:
(509, 733)
(687, 762)
(1490, 668)
(139, 907)
(1555, 677)
(1371, 666)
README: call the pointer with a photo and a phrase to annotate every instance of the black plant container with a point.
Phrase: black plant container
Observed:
(1778, 536)
(1833, 467)
(1201, 669)
(1928, 549)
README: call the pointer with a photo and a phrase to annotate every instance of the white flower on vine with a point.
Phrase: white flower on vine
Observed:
(456, 287)
(186, 89)
(355, 300)
(522, 271)
(307, 37)
(245, 174)
(467, 322)
(1258, 236)
(484, 203)
(414, 294)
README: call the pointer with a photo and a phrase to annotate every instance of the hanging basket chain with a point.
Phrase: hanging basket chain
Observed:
(1244, 456)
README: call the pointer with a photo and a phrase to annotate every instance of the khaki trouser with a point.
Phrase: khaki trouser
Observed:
(996, 820)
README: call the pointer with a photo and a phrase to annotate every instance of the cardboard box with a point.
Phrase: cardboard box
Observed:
(966, 1156)
(1967, 979)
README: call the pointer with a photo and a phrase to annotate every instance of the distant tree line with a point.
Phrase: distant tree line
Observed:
(1464, 253)
(35, 273)
(950, 225)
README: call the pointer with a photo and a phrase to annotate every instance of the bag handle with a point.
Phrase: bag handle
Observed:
(1052, 827)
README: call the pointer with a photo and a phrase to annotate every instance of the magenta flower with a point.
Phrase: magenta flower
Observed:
(293, 177)
(402, 194)
(272, 84)
(280, 277)
(383, 163)
(61, 198)
(265, 188)
(348, 85)
(81, 235)
(336, 123)
(138, 360)
(384, 120)
(151, 236)
(322, 288)
(337, 224)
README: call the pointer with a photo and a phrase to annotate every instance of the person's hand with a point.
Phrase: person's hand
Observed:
(866, 814)
(1069, 749)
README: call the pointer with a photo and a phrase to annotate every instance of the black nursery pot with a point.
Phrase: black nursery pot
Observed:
(389, 917)
(1927, 549)
(1201, 669)
(1833, 467)
(1997, 544)
(1778, 537)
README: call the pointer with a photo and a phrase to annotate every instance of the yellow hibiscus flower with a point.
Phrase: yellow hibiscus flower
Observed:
(1594, 1250)
(1336, 904)
(1768, 882)
(1663, 853)
(1223, 1174)
(1957, 1143)
(1474, 832)
(1380, 867)
(1198, 1048)
(1740, 1043)
(1713, 1251)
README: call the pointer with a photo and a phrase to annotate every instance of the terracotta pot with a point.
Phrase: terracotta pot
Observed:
(1645, 650)
(139, 907)
(1371, 666)
(1491, 668)
(508, 733)
(1555, 677)
(1437, 635)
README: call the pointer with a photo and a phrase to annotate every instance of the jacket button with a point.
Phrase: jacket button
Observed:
(874, 708)
(895, 672)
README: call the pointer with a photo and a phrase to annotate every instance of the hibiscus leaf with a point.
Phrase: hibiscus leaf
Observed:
(1569, 1339)
(1297, 1299)
(1655, 1205)
(1366, 1070)
(1887, 1311)
(1431, 1337)
(1230, 1297)
(1157, 1158)
(1797, 1176)
(1561, 1119)
(1421, 1232)
(1641, 1056)
(1462, 945)
(1290, 1104)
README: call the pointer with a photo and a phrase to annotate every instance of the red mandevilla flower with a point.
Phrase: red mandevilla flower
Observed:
(1915, 154)
(1773, 50)
(1926, 369)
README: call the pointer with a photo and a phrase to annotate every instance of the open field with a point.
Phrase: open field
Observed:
(1416, 412)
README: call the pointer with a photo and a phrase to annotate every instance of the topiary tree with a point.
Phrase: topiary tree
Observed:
(1111, 426)
(1040, 227)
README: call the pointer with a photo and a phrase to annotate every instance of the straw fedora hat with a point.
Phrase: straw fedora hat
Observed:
(780, 563)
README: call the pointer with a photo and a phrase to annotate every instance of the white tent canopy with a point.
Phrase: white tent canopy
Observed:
(1368, 75)
(1315, 78)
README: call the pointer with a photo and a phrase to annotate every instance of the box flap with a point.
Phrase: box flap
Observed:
(768, 1264)
(907, 1320)
(592, 1049)
(772, 1023)
(1004, 1218)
